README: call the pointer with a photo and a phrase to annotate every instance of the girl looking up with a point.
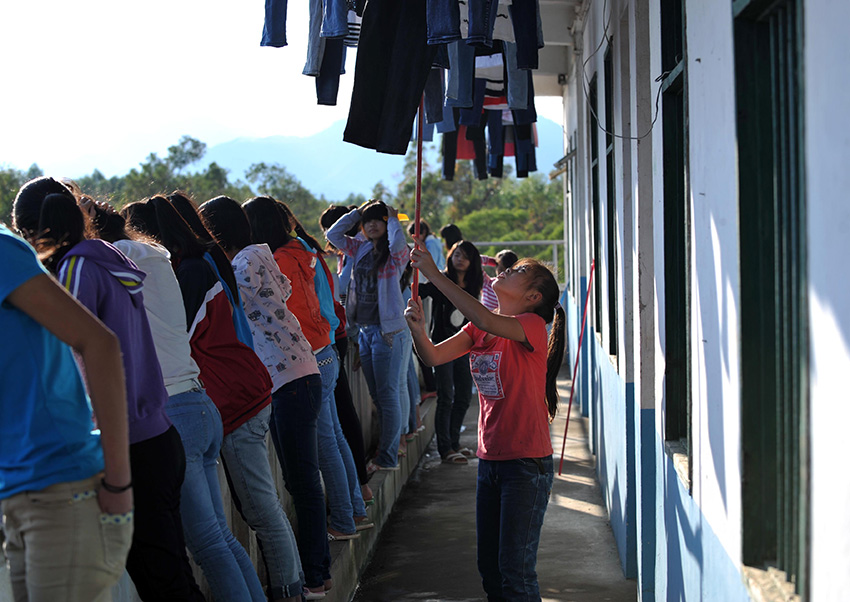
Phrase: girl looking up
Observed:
(375, 304)
(516, 372)
(454, 381)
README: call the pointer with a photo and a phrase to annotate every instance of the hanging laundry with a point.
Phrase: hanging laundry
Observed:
(478, 17)
(393, 63)
(274, 25)
(334, 19)
(333, 64)
(354, 21)
(528, 29)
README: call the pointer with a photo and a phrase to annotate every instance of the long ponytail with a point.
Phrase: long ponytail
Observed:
(550, 310)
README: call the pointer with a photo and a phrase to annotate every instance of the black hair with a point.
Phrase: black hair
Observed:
(295, 226)
(506, 258)
(424, 228)
(189, 212)
(61, 225)
(226, 221)
(331, 215)
(109, 225)
(160, 220)
(26, 210)
(450, 235)
(473, 280)
(548, 308)
(377, 210)
(267, 222)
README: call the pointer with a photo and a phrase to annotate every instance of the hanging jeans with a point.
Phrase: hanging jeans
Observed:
(334, 19)
(226, 565)
(381, 357)
(393, 63)
(496, 144)
(274, 26)
(443, 21)
(528, 30)
(461, 74)
(295, 413)
(517, 78)
(482, 19)
(454, 394)
(335, 460)
(510, 504)
(327, 82)
(246, 460)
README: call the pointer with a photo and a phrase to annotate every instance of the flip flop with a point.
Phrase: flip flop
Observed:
(343, 536)
(467, 453)
(455, 458)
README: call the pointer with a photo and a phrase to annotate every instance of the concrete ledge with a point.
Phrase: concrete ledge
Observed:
(349, 558)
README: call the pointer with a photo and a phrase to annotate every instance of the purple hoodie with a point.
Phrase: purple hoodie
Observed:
(110, 286)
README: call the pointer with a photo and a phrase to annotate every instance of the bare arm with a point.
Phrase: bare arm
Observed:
(430, 354)
(506, 327)
(43, 300)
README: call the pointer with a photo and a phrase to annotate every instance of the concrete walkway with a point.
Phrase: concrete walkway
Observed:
(426, 551)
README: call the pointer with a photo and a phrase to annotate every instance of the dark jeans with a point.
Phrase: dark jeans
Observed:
(454, 393)
(450, 155)
(482, 19)
(295, 412)
(327, 82)
(157, 563)
(527, 30)
(348, 418)
(510, 504)
(274, 27)
(443, 20)
(393, 63)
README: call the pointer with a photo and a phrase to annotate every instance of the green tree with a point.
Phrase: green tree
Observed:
(11, 180)
(187, 151)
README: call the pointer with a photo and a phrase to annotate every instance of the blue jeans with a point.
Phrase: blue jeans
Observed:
(406, 400)
(482, 19)
(443, 21)
(225, 563)
(511, 501)
(383, 361)
(334, 18)
(413, 392)
(274, 27)
(517, 78)
(246, 457)
(295, 411)
(461, 74)
(335, 459)
(454, 394)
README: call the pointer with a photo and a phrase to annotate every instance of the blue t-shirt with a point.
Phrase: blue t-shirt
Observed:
(45, 416)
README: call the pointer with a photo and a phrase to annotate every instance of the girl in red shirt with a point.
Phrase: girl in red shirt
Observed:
(515, 369)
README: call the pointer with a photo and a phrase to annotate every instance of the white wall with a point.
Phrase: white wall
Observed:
(715, 440)
(827, 134)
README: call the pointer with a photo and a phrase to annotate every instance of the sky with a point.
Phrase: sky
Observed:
(103, 83)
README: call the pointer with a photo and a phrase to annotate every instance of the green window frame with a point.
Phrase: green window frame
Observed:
(774, 298)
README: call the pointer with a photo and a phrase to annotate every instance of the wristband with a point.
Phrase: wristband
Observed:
(113, 489)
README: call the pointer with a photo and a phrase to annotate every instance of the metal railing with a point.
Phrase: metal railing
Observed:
(506, 244)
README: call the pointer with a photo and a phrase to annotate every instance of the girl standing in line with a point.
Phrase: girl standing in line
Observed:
(503, 260)
(234, 377)
(375, 304)
(516, 372)
(192, 412)
(110, 286)
(67, 529)
(454, 381)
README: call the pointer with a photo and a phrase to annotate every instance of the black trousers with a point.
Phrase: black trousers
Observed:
(393, 63)
(348, 418)
(157, 563)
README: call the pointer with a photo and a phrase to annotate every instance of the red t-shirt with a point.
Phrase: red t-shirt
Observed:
(511, 381)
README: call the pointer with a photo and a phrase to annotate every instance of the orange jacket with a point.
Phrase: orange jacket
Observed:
(299, 265)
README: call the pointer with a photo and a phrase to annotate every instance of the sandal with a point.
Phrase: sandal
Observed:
(455, 458)
(467, 453)
(362, 523)
(372, 468)
(314, 593)
(410, 436)
(334, 535)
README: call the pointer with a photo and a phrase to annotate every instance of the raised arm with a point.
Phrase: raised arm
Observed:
(506, 327)
(43, 300)
(430, 354)
(336, 234)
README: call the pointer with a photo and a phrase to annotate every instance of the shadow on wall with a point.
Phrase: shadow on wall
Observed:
(681, 561)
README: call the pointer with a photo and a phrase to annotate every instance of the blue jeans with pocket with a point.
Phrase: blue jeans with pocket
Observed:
(382, 357)
(335, 459)
(246, 458)
(511, 502)
(225, 563)
(295, 413)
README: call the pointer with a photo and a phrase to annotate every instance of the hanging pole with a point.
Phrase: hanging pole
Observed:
(418, 211)
(575, 368)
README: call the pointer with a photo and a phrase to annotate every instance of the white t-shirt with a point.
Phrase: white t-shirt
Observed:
(166, 314)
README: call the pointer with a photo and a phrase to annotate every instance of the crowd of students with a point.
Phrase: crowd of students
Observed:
(198, 331)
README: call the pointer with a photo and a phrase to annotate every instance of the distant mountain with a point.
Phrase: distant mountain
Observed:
(326, 165)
